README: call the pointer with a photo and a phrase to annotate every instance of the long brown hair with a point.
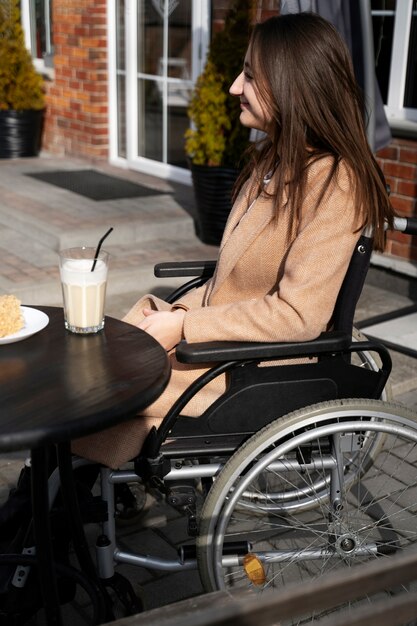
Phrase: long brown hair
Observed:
(304, 77)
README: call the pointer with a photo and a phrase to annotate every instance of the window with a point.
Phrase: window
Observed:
(157, 49)
(395, 43)
(37, 24)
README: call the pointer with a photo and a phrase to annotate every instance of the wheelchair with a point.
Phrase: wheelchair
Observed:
(296, 470)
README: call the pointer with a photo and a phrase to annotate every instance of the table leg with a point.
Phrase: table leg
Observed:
(80, 543)
(42, 532)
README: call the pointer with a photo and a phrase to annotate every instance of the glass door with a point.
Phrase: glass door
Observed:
(159, 51)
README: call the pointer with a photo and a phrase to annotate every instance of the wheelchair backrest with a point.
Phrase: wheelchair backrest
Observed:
(352, 285)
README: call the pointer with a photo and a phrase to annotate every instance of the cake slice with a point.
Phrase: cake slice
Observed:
(11, 318)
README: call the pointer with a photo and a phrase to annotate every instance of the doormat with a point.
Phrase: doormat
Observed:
(95, 185)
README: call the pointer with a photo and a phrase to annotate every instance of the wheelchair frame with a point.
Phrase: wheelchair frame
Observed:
(325, 423)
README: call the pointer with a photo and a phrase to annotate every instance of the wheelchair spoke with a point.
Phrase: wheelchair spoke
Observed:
(302, 518)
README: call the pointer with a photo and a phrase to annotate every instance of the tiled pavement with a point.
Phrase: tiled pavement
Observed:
(37, 219)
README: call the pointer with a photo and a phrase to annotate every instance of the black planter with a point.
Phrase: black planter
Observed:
(20, 133)
(213, 196)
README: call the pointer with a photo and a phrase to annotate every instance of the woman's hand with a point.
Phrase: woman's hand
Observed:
(164, 326)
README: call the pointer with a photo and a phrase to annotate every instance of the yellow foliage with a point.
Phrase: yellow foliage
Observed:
(205, 142)
(21, 87)
(216, 136)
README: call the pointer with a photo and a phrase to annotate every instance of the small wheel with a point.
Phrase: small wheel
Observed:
(124, 600)
(369, 517)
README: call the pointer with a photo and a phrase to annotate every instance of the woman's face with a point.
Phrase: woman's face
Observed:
(253, 110)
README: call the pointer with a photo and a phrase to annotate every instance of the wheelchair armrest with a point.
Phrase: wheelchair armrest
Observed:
(218, 351)
(184, 268)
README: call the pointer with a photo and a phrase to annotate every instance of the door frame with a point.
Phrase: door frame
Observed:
(200, 42)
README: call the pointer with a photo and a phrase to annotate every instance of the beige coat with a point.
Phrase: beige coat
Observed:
(265, 288)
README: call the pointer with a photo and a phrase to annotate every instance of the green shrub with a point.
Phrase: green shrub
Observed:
(217, 136)
(21, 87)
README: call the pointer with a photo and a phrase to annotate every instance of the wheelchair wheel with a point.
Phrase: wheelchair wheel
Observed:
(363, 518)
(292, 494)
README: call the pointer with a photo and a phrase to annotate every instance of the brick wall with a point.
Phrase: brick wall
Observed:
(399, 164)
(77, 98)
(219, 9)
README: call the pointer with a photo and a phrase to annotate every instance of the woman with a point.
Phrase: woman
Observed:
(301, 202)
(304, 196)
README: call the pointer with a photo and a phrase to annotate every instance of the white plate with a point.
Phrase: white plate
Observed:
(34, 322)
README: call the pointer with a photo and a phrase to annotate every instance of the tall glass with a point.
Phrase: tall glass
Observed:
(84, 282)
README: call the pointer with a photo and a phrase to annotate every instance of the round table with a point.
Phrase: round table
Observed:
(57, 386)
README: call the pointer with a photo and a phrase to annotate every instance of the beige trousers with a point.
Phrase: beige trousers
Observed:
(119, 444)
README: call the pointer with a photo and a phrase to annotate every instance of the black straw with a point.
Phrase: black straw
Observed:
(100, 243)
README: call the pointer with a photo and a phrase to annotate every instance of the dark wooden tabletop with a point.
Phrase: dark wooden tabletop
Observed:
(56, 386)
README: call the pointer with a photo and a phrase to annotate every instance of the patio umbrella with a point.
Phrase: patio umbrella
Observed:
(353, 20)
